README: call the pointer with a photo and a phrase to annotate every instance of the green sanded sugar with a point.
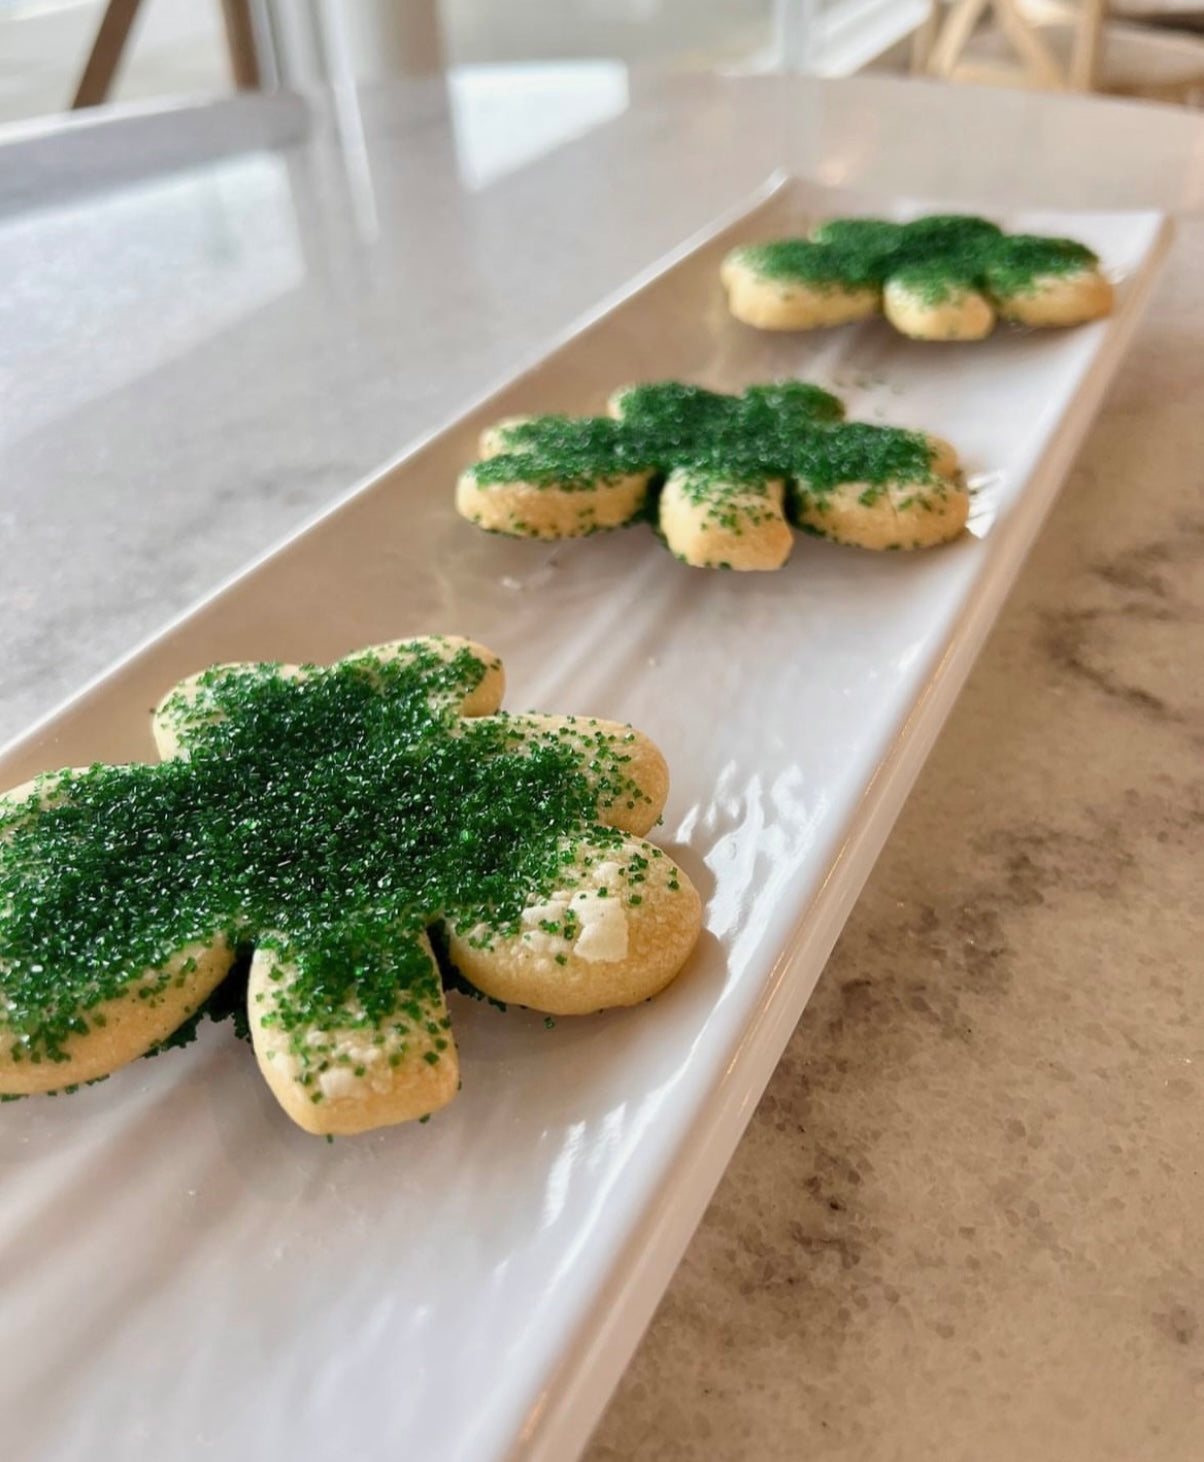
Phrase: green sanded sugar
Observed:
(869, 236)
(934, 256)
(724, 449)
(670, 418)
(949, 232)
(1029, 258)
(569, 451)
(859, 452)
(786, 405)
(334, 818)
(801, 261)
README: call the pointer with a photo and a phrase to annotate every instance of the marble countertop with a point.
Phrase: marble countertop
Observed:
(967, 1218)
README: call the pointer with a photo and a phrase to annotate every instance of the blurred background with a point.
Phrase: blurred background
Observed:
(56, 54)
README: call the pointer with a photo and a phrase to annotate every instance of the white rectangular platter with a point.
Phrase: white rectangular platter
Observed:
(184, 1274)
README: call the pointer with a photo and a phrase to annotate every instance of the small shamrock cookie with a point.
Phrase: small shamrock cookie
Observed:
(939, 278)
(333, 827)
(723, 478)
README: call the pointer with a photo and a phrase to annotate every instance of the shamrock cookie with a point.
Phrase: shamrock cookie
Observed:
(334, 820)
(939, 278)
(723, 478)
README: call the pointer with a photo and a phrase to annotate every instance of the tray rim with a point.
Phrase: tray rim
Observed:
(778, 181)
(610, 1326)
(570, 1410)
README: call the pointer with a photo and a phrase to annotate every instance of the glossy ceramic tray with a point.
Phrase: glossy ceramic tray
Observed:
(185, 1273)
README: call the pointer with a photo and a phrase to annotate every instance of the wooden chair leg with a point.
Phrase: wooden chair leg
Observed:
(924, 39)
(105, 56)
(1084, 57)
(240, 42)
(1040, 65)
(955, 32)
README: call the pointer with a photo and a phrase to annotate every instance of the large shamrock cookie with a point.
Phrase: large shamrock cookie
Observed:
(334, 820)
(940, 278)
(722, 477)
